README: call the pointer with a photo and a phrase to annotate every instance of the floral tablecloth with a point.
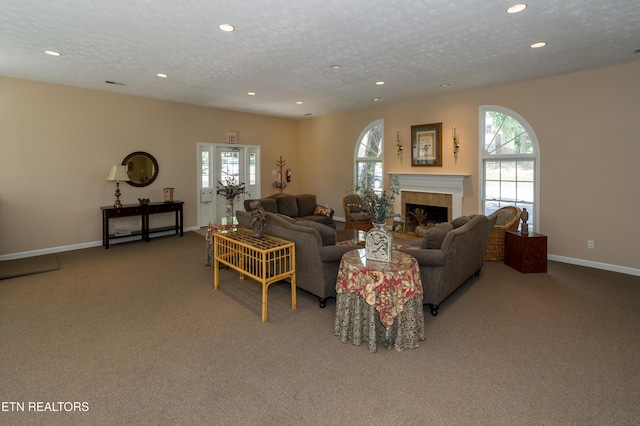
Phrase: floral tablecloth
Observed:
(379, 302)
(212, 229)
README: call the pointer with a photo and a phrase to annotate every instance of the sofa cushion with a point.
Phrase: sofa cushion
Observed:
(288, 204)
(459, 221)
(324, 211)
(306, 204)
(269, 205)
(435, 235)
(327, 234)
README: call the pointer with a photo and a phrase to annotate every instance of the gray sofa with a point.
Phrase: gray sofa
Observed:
(317, 255)
(449, 254)
(297, 207)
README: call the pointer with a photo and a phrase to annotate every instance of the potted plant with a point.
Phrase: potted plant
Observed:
(420, 215)
(230, 190)
(378, 244)
(377, 203)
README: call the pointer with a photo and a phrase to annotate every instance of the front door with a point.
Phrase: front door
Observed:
(219, 163)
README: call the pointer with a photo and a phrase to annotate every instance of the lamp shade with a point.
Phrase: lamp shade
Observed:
(118, 173)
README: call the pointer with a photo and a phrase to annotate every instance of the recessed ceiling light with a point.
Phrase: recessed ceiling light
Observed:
(162, 75)
(445, 85)
(538, 44)
(299, 102)
(226, 27)
(517, 8)
(335, 67)
(251, 93)
(52, 53)
(379, 83)
(376, 99)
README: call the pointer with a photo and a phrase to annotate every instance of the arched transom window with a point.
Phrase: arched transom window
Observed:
(368, 157)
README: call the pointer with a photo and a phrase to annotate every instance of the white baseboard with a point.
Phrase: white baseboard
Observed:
(563, 259)
(595, 265)
(81, 246)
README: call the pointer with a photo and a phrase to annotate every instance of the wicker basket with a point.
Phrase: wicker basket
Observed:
(508, 219)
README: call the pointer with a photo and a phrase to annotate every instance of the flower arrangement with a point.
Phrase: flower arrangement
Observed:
(230, 190)
(420, 215)
(378, 205)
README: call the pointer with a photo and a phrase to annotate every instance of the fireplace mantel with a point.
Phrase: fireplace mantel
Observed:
(436, 183)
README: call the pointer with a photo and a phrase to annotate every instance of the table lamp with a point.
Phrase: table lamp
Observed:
(117, 174)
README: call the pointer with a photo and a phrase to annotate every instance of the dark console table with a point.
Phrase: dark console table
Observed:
(109, 212)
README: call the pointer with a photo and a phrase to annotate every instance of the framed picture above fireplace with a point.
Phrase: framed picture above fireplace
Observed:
(426, 145)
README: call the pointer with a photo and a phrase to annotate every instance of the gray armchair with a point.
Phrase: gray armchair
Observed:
(450, 253)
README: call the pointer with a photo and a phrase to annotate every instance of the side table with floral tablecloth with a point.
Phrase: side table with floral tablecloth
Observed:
(379, 302)
(212, 229)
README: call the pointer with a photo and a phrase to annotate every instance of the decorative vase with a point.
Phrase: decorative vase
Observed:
(229, 213)
(168, 195)
(378, 243)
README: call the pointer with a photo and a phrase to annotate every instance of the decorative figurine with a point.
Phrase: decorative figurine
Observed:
(524, 228)
(257, 218)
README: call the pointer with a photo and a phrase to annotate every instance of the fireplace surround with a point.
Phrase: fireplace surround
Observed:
(441, 190)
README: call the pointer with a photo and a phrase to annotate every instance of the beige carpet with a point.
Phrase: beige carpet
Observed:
(138, 333)
(28, 266)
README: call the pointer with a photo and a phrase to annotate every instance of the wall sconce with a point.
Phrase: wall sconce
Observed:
(398, 144)
(456, 144)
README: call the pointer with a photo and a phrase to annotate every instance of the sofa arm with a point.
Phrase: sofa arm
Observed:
(334, 253)
(426, 257)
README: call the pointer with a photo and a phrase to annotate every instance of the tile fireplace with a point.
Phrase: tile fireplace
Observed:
(433, 190)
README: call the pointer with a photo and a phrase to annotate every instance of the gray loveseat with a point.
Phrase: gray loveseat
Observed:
(449, 254)
(297, 207)
(317, 255)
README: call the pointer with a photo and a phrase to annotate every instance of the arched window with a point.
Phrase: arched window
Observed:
(510, 167)
(368, 157)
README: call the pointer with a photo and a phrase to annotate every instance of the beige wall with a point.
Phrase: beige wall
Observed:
(59, 142)
(588, 127)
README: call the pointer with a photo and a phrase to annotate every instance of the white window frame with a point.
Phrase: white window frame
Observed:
(534, 156)
(378, 159)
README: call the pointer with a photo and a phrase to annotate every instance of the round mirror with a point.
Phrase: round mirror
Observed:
(142, 168)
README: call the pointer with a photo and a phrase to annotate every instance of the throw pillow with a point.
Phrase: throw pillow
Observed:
(435, 236)
(323, 211)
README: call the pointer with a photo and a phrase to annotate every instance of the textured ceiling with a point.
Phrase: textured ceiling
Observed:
(282, 49)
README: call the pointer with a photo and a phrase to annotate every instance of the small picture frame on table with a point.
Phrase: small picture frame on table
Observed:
(426, 145)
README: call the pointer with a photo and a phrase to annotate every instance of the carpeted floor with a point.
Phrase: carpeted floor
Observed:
(28, 266)
(138, 334)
